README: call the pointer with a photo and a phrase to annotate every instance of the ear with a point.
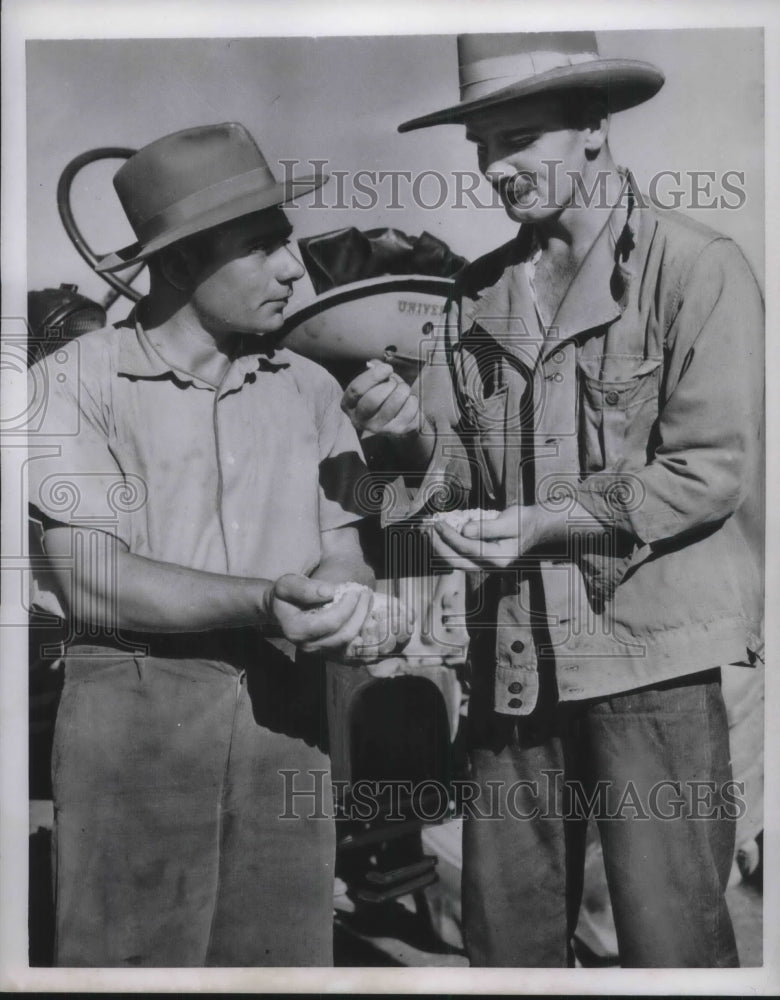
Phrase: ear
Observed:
(178, 267)
(596, 129)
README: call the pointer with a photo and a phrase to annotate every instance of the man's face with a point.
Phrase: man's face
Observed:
(529, 151)
(248, 278)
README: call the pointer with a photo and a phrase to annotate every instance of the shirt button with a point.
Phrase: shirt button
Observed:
(234, 525)
(515, 687)
(515, 702)
(231, 460)
(518, 646)
(612, 397)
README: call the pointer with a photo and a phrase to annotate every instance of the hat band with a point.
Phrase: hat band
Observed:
(485, 76)
(188, 209)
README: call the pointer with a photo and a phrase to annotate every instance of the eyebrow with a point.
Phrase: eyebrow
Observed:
(275, 235)
(521, 131)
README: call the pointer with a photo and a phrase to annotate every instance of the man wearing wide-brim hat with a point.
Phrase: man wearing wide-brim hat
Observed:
(198, 512)
(598, 380)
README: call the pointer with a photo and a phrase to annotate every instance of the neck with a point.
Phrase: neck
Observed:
(177, 334)
(573, 231)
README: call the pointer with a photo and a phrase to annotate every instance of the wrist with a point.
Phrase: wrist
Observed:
(264, 603)
(538, 527)
(417, 446)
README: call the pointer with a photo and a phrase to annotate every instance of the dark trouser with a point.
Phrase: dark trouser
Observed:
(522, 876)
(169, 849)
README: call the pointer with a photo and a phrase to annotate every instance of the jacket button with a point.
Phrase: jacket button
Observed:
(515, 687)
(557, 377)
(515, 702)
(558, 357)
(612, 397)
(518, 646)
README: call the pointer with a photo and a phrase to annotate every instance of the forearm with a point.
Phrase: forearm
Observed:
(114, 588)
(541, 529)
(407, 454)
(163, 597)
(675, 496)
(342, 557)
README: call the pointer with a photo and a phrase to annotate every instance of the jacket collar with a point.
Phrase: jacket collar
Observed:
(598, 294)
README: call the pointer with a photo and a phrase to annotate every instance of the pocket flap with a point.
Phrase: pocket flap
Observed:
(617, 371)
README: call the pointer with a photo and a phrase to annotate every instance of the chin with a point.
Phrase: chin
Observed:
(534, 213)
(268, 324)
(523, 213)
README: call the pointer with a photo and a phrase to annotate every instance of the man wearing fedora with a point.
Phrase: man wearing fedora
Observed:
(598, 380)
(196, 513)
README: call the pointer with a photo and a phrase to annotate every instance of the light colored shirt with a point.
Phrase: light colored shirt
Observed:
(240, 479)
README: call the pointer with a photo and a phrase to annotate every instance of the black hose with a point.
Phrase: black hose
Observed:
(74, 233)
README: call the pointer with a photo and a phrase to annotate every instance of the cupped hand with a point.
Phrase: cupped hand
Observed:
(304, 611)
(481, 544)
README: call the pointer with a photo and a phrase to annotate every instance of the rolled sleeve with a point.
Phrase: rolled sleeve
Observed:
(73, 476)
(708, 435)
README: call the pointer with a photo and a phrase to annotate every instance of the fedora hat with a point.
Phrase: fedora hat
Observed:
(192, 180)
(497, 68)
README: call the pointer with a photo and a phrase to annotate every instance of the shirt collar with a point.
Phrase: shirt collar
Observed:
(138, 359)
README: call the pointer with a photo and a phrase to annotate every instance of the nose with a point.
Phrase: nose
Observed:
(289, 267)
(498, 168)
(495, 161)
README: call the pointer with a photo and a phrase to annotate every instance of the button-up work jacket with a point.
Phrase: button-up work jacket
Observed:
(642, 402)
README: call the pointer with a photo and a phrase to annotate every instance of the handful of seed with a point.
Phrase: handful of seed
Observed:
(341, 589)
(458, 519)
(376, 628)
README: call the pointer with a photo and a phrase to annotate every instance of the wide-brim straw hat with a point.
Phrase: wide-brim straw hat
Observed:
(193, 180)
(495, 69)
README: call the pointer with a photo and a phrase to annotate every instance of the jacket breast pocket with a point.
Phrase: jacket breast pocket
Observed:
(618, 407)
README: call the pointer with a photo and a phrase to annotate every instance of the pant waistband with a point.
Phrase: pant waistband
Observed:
(228, 645)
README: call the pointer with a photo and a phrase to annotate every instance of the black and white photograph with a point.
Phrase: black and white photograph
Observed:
(388, 464)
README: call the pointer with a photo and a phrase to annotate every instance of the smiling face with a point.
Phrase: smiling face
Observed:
(532, 150)
(247, 278)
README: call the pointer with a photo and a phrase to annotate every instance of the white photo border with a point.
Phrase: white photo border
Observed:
(27, 19)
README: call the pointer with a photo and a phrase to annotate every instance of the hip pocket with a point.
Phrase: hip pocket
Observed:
(80, 702)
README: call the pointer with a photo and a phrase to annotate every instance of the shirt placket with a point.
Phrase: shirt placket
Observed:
(516, 687)
(227, 462)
